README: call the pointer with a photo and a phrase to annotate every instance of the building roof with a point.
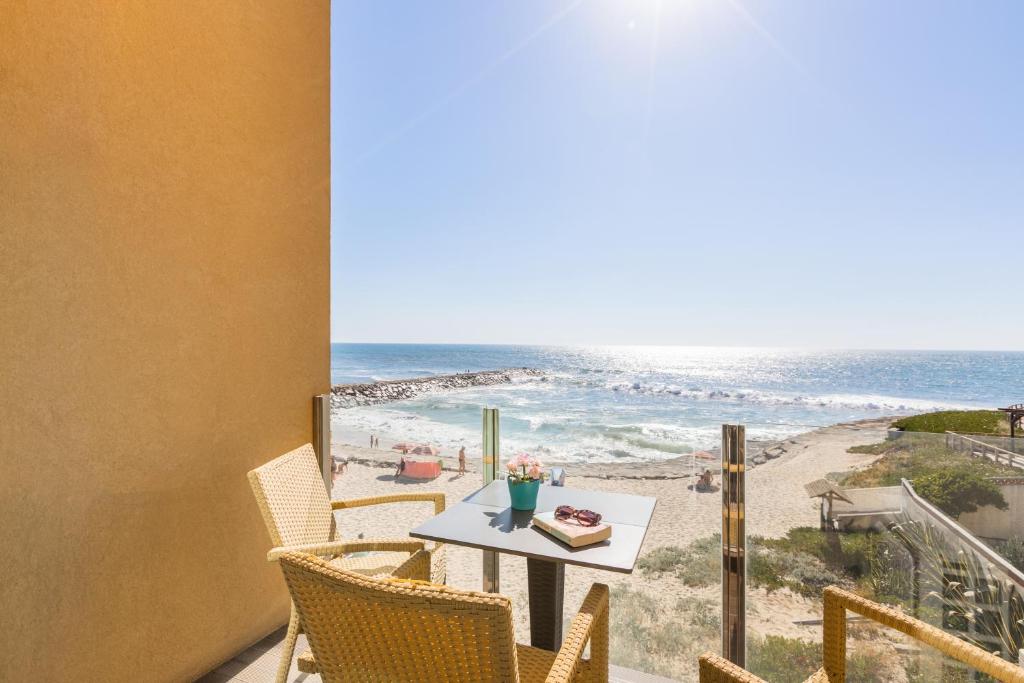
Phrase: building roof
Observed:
(820, 488)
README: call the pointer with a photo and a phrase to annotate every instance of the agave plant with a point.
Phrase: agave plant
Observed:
(973, 600)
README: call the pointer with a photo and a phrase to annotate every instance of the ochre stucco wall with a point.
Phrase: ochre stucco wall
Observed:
(164, 305)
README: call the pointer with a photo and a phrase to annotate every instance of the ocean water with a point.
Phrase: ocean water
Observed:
(601, 404)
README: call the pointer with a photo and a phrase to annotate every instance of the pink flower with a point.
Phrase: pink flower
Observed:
(511, 466)
(523, 460)
(534, 471)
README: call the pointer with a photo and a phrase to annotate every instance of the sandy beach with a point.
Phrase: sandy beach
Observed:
(776, 503)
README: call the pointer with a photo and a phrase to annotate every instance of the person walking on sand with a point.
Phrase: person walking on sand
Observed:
(371, 440)
(338, 468)
(462, 461)
(400, 469)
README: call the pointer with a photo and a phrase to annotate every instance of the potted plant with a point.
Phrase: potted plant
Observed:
(524, 478)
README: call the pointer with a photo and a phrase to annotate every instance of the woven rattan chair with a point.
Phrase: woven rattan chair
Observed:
(715, 669)
(387, 629)
(299, 515)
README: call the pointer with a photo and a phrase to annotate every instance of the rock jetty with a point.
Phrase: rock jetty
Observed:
(352, 395)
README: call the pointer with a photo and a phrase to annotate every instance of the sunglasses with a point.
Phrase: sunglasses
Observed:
(584, 517)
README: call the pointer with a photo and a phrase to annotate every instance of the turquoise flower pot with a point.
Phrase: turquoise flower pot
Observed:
(523, 494)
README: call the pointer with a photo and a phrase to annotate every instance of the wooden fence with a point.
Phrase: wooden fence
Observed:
(965, 444)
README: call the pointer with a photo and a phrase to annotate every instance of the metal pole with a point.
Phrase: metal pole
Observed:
(491, 454)
(734, 544)
(322, 437)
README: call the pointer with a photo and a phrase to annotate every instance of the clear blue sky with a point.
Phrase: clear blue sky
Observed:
(706, 172)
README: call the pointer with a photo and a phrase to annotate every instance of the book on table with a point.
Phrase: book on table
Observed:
(570, 531)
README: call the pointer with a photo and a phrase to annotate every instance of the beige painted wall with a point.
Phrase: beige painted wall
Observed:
(164, 253)
(990, 522)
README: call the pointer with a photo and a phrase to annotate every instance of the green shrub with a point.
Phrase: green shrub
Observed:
(647, 637)
(762, 570)
(698, 564)
(805, 560)
(1013, 551)
(913, 456)
(871, 448)
(783, 660)
(772, 568)
(661, 560)
(790, 660)
(702, 613)
(963, 421)
(959, 490)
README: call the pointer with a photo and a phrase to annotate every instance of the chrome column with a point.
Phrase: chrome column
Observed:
(491, 455)
(734, 544)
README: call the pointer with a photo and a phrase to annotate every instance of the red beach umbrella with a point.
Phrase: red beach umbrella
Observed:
(426, 450)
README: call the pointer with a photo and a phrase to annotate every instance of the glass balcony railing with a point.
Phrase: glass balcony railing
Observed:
(919, 528)
(917, 522)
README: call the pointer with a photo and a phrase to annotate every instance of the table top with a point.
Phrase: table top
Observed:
(485, 520)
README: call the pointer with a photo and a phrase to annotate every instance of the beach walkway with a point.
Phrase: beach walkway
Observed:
(981, 449)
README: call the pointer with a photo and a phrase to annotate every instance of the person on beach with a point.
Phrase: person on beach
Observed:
(338, 468)
(371, 440)
(462, 461)
(401, 467)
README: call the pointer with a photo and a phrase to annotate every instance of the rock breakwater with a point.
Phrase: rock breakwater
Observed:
(373, 393)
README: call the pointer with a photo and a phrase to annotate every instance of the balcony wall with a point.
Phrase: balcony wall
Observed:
(995, 524)
(164, 245)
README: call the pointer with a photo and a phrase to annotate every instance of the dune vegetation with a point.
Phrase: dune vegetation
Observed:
(989, 422)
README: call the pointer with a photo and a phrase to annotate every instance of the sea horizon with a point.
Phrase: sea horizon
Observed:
(682, 346)
(626, 403)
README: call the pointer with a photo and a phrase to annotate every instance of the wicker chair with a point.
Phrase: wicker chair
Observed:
(388, 629)
(715, 669)
(299, 515)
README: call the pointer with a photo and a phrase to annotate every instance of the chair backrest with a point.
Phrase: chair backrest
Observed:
(367, 629)
(293, 499)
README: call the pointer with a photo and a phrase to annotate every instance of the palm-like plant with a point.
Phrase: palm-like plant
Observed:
(972, 599)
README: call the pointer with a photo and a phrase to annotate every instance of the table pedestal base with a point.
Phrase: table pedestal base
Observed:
(547, 590)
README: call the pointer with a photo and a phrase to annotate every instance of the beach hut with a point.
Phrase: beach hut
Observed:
(828, 492)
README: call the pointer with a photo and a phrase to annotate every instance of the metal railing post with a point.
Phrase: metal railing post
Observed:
(734, 544)
(491, 454)
(322, 437)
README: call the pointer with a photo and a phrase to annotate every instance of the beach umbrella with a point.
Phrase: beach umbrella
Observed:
(404, 446)
(426, 450)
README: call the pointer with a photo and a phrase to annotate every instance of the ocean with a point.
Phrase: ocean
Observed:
(607, 404)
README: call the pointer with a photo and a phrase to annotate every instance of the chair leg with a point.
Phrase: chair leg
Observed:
(288, 647)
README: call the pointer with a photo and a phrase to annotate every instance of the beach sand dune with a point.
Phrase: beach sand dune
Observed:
(776, 503)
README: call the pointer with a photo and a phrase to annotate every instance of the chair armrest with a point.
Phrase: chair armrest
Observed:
(342, 547)
(436, 498)
(715, 669)
(837, 601)
(589, 625)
